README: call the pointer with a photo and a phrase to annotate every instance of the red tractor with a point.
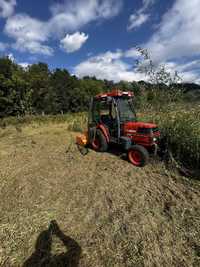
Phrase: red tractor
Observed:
(112, 120)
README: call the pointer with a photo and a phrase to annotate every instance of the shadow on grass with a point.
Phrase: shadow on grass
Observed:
(42, 256)
(163, 156)
(117, 151)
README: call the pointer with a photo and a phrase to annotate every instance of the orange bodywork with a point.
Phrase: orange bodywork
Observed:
(82, 139)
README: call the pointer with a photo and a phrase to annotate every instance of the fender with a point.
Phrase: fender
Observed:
(105, 131)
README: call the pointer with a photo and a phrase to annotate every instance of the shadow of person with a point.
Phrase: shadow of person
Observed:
(42, 256)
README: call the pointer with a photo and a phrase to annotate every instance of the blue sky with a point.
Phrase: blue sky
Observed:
(98, 37)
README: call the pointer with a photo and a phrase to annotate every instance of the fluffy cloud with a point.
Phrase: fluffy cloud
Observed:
(113, 66)
(189, 71)
(73, 42)
(140, 17)
(177, 41)
(23, 26)
(110, 66)
(33, 47)
(31, 34)
(24, 65)
(7, 8)
(178, 34)
(132, 53)
(72, 15)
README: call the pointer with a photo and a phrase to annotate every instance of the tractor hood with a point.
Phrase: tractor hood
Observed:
(134, 126)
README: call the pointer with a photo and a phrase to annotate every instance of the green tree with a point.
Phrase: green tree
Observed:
(38, 77)
(61, 91)
(6, 87)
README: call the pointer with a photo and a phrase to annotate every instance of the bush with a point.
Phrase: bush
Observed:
(182, 130)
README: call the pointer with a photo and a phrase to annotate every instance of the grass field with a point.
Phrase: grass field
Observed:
(119, 215)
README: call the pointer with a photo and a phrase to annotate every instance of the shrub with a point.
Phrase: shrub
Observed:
(182, 130)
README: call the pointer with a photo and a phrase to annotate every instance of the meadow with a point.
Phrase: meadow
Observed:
(119, 215)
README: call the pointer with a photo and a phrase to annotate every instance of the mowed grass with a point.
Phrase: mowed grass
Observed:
(119, 215)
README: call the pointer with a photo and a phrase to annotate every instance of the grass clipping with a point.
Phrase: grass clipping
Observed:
(119, 215)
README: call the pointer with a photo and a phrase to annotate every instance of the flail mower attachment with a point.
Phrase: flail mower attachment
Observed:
(82, 143)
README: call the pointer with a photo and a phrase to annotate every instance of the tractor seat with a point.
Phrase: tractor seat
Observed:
(106, 119)
(110, 124)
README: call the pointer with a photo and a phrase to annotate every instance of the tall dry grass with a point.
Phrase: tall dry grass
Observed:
(181, 127)
(39, 119)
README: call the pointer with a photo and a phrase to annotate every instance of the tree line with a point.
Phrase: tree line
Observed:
(39, 90)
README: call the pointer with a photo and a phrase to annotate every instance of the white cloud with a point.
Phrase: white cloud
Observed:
(132, 53)
(147, 3)
(72, 15)
(73, 42)
(140, 16)
(7, 8)
(136, 20)
(177, 41)
(33, 47)
(24, 26)
(11, 57)
(188, 66)
(31, 34)
(112, 66)
(188, 72)
(178, 35)
(24, 65)
(108, 66)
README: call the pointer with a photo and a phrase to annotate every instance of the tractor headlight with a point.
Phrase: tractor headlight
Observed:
(154, 139)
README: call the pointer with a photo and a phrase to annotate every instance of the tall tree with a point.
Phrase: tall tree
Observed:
(38, 77)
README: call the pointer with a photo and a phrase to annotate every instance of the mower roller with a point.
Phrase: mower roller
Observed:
(112, 120)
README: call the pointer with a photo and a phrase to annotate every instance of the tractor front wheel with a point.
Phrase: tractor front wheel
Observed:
(100, 143)
(138, 156)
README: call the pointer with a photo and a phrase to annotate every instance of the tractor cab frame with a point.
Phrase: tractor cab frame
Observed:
(112, 119)
(109, 112)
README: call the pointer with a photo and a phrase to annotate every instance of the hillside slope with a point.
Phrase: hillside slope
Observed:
(119, 215)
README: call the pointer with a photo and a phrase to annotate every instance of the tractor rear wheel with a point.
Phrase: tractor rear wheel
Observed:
(100, 143)
(138, 156)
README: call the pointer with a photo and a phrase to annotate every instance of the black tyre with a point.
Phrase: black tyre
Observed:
(100, 143)
(138, 156)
